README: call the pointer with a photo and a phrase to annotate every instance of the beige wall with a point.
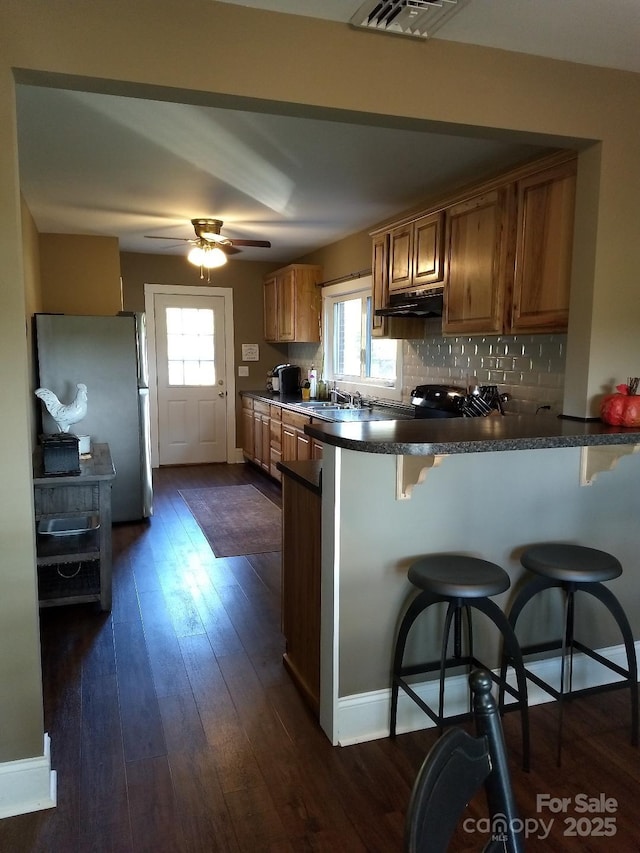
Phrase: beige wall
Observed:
(80, 274)
(33, 303)
(347, 256)
(241, 57)
(21, 720)
(31, 260)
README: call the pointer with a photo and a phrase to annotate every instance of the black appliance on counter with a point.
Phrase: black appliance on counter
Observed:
(438, 401)
(288, 378)
(451, 401)
(60, 454)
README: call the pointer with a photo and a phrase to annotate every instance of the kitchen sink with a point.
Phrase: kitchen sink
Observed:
(316, 404)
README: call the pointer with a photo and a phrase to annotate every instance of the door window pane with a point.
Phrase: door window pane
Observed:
(190, 346)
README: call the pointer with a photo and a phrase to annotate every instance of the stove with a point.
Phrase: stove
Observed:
(438, 401)
(452, 401)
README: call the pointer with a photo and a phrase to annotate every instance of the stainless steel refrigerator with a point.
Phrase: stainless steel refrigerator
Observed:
(108, 355)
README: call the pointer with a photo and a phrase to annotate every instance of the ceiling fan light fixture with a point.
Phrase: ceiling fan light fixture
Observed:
(207, 229)
(207, 257)
(213, 257)
(211, 248)
(210, 235)
(196, 256)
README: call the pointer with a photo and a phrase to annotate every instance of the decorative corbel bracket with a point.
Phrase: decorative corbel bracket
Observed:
(599, 457)
(413, 470)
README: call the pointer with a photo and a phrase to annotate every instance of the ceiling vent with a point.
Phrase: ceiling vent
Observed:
(417, 18)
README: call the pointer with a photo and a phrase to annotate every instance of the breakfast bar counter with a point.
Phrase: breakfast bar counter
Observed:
(487, 487)
(471, 435)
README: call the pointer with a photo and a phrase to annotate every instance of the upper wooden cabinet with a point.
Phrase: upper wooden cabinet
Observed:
(416, 254)
(388, 327)
(380, 286)
(292, 304)
(501, 250)
(477, 261)
(544, 241)
(509, 256)
(270, 293)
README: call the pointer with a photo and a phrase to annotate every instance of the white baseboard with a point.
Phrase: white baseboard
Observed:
(28, 785)
(238, 456)
(365, 716)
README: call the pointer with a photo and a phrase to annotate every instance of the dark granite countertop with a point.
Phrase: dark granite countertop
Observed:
(307, 472)
(470, 435)
(379, 412)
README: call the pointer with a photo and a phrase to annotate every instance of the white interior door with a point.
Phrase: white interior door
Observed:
(191, 378)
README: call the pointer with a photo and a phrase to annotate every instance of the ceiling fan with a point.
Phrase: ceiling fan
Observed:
(210, 246)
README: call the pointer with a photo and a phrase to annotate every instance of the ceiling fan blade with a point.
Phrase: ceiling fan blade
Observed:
(228, 249)
(260, 244)
(175, 239)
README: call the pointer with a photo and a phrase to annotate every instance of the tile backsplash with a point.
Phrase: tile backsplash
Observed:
(530, 368)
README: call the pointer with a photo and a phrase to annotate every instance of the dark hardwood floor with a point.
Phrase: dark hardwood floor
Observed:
(174, 726)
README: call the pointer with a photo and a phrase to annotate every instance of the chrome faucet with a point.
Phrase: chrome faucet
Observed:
(339, 396)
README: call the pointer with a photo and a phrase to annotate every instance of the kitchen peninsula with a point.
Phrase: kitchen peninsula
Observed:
(488, 487)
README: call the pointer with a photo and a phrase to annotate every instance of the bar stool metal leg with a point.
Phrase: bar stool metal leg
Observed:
(606, 597)
(568, 645)
(417, 606)
(452, 614)
(512, 654)
(462, 583)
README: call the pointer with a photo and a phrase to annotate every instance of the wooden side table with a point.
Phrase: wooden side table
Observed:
(73, 531)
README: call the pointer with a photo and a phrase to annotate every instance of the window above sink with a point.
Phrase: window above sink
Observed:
(353, 358)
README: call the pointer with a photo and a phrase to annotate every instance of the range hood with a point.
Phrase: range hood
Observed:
(429, 304)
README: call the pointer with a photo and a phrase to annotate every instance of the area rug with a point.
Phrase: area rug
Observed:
(236, 519)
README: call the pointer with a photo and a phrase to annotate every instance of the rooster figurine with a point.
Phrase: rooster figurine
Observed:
(65, 414)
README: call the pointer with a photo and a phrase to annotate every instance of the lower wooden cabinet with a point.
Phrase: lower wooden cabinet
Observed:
(271, 433)
(275, 441)
(248, 442)
(296, 444)
(301, 574)
(261, 434)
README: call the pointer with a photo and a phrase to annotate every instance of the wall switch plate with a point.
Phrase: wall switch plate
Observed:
(243, 370)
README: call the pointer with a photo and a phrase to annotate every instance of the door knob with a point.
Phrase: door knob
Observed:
(222, 393)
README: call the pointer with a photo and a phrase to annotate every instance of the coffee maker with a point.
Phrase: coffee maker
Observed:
(288, 378)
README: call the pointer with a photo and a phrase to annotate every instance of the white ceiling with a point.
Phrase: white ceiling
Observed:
(101, 164)
(593, 32)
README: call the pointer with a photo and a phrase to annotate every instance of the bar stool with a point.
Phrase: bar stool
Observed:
(575, 568)
(463, 583)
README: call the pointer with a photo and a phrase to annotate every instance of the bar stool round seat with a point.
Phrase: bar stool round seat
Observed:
(571, 563)
(458, 576)
(464, 584)
(576, 568)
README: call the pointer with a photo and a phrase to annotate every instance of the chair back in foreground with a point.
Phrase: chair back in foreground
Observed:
(457, 766)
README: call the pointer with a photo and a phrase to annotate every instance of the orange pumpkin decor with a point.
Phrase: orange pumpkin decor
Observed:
(622, 409)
